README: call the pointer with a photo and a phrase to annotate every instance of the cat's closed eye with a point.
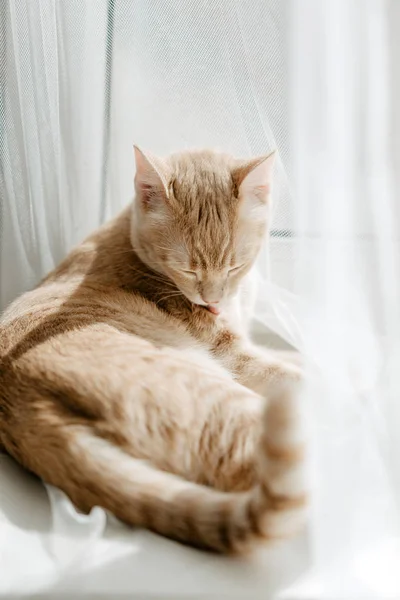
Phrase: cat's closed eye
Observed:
(188, 273)
(235, 269)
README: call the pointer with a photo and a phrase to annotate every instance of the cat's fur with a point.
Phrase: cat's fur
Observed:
(120, 386)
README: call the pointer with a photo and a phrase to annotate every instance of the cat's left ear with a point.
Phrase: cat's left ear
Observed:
(253, 178)
(150, 179)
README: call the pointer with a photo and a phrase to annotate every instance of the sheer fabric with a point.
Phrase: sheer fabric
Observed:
(347, 221)
(82, 81)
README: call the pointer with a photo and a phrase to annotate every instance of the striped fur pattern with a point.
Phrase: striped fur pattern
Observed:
(127, 377)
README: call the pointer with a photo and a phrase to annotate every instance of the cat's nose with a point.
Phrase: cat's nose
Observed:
(209, 301)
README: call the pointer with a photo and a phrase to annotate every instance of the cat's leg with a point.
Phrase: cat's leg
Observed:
(292, 357)
(245, 312)
(106, 432)
(253, 366)
(256, 368)
(94, 471)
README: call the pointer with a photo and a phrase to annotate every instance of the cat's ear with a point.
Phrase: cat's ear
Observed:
(150, 179)
(253, 178)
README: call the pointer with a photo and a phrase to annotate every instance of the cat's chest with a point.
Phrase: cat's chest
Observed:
(233, 320)
(236, 315)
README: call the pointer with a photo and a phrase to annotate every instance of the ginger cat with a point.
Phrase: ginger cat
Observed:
(127, 377)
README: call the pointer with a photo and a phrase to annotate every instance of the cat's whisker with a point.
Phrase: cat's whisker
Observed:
(169, 296)
(129, 251)
(155, 276)
(166, 297)
(168, 248)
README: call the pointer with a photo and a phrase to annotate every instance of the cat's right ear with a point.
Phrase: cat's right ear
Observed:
(150, 180)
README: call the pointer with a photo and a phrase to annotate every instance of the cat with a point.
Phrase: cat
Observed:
(128, 378)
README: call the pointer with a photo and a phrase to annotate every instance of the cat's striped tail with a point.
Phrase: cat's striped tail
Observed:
(226, 522)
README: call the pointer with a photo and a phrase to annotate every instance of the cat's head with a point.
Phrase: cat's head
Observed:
(200, 218)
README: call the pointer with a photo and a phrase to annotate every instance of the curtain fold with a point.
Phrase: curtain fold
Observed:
(52, 122)
(347, 274)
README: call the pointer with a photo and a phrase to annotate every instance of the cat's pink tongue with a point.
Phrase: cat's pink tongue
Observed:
(213, 309)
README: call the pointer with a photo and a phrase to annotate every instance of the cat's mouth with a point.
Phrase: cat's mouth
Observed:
(213, 309)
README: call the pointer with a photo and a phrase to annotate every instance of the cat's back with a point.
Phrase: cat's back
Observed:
(58, 307)
(79, 294)
(97, 284)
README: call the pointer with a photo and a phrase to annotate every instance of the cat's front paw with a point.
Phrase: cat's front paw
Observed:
(286, 372)
(292, 357)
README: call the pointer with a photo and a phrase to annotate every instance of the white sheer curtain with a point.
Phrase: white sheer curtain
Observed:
(345, 90)
(53, 77)
(82, 81)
